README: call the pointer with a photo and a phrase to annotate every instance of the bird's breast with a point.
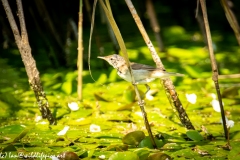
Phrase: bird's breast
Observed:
(140, 76)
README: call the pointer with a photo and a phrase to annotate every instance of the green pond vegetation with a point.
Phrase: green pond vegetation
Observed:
(107, 123)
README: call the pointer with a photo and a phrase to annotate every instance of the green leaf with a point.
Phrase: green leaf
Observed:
(117, 147)
(194, 135)
(142, 153)
(129, 94)
(90, 153)
(185, 154)
(9, 148)
(9, 98)
(12, 129)
(113, 76)
(71, 76)
(67, 87)
(179, 52)
(133, 138)
(124, 156)
(172, 146)
(56, 86)
(192, 71)
(21, 135)
(159, 156)
(234, 153)
(80, 122)
(99, 97)
(102, 79)
(5, 110)
(146, 142)
(126, 107)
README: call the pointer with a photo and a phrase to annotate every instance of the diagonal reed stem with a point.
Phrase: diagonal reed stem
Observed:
(213, 64)
(108, 12)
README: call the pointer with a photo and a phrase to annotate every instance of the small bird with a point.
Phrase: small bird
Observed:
(142, 74)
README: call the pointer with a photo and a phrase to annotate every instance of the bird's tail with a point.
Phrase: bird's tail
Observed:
(161, 74)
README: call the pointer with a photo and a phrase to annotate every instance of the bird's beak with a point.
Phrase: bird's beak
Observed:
(101, 57)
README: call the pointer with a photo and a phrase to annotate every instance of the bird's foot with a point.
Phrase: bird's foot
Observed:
(136, 83)
(141, 103)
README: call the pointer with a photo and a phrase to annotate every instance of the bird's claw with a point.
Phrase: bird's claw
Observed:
(135, 83)
(141, 103)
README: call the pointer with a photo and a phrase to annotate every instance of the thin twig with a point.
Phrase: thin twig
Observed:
(213, 64)
(90, 39)
(96, 35)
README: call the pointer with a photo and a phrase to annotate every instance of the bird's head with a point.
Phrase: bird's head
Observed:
(115, 60)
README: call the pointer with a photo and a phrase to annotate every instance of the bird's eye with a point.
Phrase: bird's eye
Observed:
(111, 59)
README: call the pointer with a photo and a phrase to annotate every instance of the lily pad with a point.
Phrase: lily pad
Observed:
(142, 153)
(124, 155)
(146, 142)
(194, 135)
(68, 156)
(133, 138)
(159, 156)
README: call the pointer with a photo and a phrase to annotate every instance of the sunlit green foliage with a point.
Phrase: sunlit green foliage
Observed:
(109, 111)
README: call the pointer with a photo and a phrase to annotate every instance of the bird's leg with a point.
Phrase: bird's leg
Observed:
(148, 88)
(142, 103)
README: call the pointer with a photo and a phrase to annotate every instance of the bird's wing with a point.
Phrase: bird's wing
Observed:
(137, 66)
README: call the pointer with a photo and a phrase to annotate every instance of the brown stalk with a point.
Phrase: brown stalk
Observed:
(231, 19)
(28, 60)
(80, 51)
(154, 24)
(213, 64)
(167, 82)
